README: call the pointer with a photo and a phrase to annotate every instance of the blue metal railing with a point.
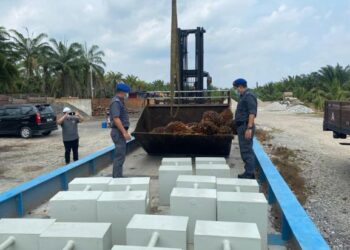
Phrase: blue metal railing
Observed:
(296, 223)
(29, 195)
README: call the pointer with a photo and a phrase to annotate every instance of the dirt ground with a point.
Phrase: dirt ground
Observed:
(324, 164)
(22, 160)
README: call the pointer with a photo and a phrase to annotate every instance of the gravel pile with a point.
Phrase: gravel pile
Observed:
(299, 109)
(276, 106)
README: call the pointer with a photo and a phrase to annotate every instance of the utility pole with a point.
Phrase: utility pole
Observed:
(91, 83)
(174, 59)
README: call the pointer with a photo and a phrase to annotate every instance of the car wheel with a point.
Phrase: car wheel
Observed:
(47, 133)
(26, 132)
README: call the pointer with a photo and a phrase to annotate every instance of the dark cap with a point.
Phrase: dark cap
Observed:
(240, 82)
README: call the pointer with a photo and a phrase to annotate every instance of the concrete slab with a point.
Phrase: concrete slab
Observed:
(210, 160)
(118, 208)
(26, 232)
(167, 180)
(198, 181)
(172, 230)
(95, 183)
(177, 161)
(74, 206)
(197, 204)
(237, 185)
(244, 207)
(87, 236)
(217, 170)
(212, 235)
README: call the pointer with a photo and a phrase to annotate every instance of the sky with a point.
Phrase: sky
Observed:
(261, 41)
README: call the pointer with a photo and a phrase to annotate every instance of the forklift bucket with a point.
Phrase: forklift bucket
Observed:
(171, 144)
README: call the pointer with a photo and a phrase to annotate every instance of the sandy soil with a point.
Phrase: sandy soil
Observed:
(325, 167)
(22, 160)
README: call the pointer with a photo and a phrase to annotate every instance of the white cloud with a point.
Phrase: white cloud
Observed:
(287, 14)
(261, 41)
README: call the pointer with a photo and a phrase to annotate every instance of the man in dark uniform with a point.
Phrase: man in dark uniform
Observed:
(245, 116)
(119, 118)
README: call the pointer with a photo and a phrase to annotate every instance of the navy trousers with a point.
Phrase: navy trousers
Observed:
(246, 149)
(120, 152)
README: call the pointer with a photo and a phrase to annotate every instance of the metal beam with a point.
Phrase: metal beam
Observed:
(296, 223)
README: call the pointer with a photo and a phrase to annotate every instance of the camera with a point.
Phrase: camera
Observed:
(71, 113)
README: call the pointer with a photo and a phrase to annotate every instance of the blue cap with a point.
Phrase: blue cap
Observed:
(240, 82)
(120, 86)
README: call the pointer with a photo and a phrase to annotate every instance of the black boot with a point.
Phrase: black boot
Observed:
(246, 175)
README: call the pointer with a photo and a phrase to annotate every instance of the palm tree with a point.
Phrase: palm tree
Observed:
(132, 81)
(67, 61)
(28, 50)
(4, 37)
(8, 74)
(8, 70)
(94, 66)
(110, 80)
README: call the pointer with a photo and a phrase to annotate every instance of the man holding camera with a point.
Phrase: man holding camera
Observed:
(69, 123)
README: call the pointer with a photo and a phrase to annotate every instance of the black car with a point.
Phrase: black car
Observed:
(27, 120)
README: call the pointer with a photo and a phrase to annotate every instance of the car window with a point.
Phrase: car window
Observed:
(13, 111)
(2, 112)
(44, 109)
(26, 110)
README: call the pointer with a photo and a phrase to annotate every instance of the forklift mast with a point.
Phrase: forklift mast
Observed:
(191, 79)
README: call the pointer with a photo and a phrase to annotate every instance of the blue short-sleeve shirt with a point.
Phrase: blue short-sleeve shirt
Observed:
(118, 109)
(247, 105)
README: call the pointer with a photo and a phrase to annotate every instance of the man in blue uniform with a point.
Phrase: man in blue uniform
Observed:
(119, 118)
(245, 115)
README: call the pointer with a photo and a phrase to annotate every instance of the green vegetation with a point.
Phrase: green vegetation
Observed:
(35, 64)
(329, 83)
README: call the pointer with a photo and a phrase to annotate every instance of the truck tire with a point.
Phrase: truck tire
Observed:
(339, 135)
(25, 132)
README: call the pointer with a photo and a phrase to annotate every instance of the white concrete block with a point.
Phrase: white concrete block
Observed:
(142, 248)
(210, 160)
(172, 230)
(96, 183)
(218, 170)
(26, 232)
(237, 185)
(74, 206)
(85, 236)
(118, 208)
(211, 235)
(190, 181)
(176, 161)
(167, 181)
(244, 207)
(135, 183)
(197, 204)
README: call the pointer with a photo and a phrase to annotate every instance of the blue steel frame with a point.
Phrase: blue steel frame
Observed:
(296, 224)
(23, 198)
